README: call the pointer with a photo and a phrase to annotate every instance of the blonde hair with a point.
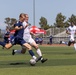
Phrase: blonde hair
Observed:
(25, 15)
(21, 15)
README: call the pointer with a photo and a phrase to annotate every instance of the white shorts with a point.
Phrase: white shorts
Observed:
(72, 38)
(29, 40)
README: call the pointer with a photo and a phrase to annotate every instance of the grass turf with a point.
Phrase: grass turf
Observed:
(61, 61)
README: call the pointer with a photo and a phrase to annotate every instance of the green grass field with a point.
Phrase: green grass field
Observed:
(61, 61)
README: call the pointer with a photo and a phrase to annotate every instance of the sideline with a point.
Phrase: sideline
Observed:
(55, 45)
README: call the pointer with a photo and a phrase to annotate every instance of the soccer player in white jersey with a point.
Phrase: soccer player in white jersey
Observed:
(71, 31)
(30, 40)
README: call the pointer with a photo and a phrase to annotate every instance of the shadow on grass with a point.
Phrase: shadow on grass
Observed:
(13, 64)
(18, 63)
(52, 62)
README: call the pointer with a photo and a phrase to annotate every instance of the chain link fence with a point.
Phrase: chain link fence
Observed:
(58, 34)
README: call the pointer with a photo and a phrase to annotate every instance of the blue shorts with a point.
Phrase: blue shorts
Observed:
(17, 40)
(6, 40)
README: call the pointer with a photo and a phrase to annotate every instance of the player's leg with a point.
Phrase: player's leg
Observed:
(75, 46)
(71, 40)
(2, 43)
(38, 52)
(22, 51)
(26, 45)
(63, 42)
(6, 45)
(33, 43)
(69, 43)
(30, 51)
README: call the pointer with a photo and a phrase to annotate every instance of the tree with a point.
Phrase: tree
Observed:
(72, 19)
(10, 22)
(7, 21)
(0, 34)
(43, 23)
(60, 20)
(66, 24)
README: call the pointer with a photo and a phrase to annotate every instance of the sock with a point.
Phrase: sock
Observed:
(39, 52)
(64, 43)
(75, 46)
(41, 58)
(34, 57)
(17, 51)
(32, 54)
(2, 44)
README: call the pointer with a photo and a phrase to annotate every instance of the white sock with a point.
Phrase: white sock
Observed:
(66, 43)
(18, 51)
(34, 57)
(63, 42)
(39, 52)
(75, 46)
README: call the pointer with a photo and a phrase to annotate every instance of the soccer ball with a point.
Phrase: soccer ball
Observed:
(32, 62)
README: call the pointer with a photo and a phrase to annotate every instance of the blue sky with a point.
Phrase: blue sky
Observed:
(46, 8)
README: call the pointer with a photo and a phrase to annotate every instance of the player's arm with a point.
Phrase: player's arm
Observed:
(75, 32)
(68, 32)
(18, 28)
(32, 34)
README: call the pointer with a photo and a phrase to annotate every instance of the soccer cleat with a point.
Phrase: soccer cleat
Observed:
(60, 42)
(44, 60)
(2, 47)
(39, 58)
(13, 53)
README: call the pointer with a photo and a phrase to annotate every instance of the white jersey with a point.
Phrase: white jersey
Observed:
(27, 36)
(72, 30)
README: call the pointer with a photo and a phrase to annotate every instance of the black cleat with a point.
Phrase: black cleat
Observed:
(44, 60)
(60, 42)
(13, 53)
(39, 58)
(2, 47)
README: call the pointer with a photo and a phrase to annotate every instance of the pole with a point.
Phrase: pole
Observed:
(33, 12)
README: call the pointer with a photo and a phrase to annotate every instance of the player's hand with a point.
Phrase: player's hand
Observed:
(21, 27)
(34, 34)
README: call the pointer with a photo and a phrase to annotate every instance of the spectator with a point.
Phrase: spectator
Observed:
(7, 36)
(51, 39)
(37, 40)
(40, 40)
